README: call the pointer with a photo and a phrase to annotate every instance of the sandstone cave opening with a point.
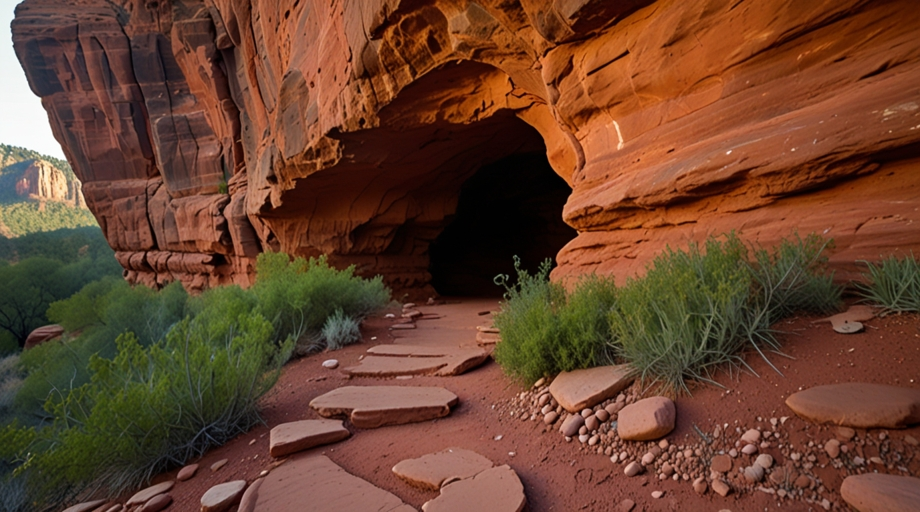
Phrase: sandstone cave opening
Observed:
(507, 208)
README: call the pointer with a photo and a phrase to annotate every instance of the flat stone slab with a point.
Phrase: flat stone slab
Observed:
(878, 492)
(395, 360)
(579, 389)
(86, 507)
(858, 313)
(497, 490)
(858, 405)
(296, 436)
(487, 338)
(222, 496)
(432, 470)
(376, 406)
(316, 484)
(144, 495)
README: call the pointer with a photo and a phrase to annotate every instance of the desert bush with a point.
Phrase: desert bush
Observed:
(101, 311)
(150, 409)
(693, 312)
(341, 330)
(544, 331)
(298, 296)
(894, 284)
(793, 277)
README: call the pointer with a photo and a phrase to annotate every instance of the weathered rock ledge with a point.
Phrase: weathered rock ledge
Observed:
(207, 131)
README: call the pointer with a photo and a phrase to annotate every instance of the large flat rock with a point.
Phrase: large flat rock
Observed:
(432, 470)
(497, 490)
(395, 360)
(316, 484)
(858, 405)
(376, 406)
(296, 436)
(579, 389)
(877, 492)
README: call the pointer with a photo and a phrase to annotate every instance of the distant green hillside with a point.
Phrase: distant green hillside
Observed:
(20, 215)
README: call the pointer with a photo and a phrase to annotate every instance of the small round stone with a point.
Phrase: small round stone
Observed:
(632, 469)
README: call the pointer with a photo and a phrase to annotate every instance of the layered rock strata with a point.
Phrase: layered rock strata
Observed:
(207, 131)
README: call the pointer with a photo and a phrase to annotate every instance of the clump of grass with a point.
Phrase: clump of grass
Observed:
(544, 331)
(341, 330)
(691, 313)
(695, 311)
(894, 284)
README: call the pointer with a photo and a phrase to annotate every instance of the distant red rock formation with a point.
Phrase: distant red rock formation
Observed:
(41, 181)
(208, 131)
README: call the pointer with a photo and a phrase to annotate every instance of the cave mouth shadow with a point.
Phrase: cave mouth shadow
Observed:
(512, 207)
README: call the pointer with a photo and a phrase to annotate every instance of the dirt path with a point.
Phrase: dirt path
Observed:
(565, 476)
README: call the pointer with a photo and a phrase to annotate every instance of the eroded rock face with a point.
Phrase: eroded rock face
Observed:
(206, 131)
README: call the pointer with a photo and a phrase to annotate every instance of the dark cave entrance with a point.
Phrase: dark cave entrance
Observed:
(510, 207)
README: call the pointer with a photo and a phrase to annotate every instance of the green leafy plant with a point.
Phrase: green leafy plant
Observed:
(894, 284)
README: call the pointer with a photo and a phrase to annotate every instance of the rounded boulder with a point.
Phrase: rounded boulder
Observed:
(647, 420)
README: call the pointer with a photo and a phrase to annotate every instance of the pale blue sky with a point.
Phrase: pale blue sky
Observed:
(23, 121)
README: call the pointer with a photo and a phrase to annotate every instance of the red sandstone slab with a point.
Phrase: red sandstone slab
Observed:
(85, 507)
(497, 490)
(297, 436)
(579, 389)
(372, 366)
(417, 360)
(878, 492)
(144, 495)
(316, 484)
(858, 405)
(486, 338)
(377, 406)
(432, 470)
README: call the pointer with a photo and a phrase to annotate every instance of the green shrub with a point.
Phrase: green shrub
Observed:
(544, 332)
(341, 330)
(894, 284)
(298, 296)
(154, 408)
(693, 312)
(793, 277)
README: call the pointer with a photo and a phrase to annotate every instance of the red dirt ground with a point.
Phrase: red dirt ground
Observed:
(560, 476)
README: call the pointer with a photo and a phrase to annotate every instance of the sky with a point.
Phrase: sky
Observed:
(23, 121)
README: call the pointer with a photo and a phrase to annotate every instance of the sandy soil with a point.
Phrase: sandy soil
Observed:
(565, 476)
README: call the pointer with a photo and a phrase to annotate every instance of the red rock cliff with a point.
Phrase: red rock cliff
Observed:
(207, 131)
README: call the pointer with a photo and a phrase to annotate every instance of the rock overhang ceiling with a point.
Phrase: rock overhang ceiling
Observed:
(208, 131)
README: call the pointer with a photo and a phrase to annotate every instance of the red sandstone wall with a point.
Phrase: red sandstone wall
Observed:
(347, 127)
